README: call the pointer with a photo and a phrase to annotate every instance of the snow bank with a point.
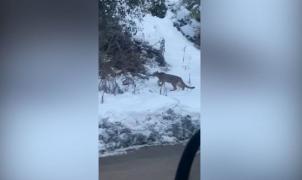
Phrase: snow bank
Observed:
(157, 127)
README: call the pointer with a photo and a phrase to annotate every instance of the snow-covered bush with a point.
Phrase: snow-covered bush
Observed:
(118, 49)
(158, 8)
(187, 19)
(110, 86)
(169, 126)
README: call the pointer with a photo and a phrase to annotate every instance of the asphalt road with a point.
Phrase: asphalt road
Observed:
(150, 163)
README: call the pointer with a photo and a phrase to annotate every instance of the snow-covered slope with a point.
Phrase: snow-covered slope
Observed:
(148, 117)
(180, 54)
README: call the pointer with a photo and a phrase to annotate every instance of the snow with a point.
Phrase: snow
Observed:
(141, 110)
(177, 49)
(182, 13)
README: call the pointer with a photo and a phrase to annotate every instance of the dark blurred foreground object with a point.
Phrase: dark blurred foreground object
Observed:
(186, 161)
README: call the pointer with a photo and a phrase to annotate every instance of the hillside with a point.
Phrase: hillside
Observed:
(145, 114)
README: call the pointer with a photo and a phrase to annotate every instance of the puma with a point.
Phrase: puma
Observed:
(172, 79)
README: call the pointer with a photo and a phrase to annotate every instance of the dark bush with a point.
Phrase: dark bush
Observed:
(158, 8)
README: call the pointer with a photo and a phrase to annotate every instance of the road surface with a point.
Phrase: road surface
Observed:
(149, 163)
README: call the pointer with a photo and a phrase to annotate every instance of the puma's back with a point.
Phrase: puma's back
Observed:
(167, 77)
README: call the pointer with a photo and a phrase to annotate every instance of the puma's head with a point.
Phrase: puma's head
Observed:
(156, 73)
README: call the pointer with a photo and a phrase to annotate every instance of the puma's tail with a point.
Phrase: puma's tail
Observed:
(190, 87)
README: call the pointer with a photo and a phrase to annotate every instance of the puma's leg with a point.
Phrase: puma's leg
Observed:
(160, 83)
(174, 87)
(182, 86)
